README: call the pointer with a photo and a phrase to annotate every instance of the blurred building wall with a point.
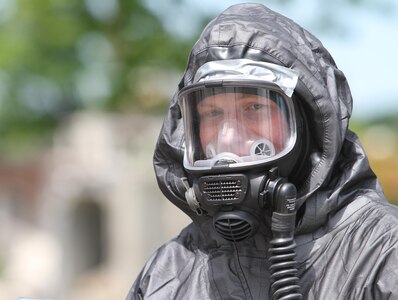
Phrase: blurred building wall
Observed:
(91, 215)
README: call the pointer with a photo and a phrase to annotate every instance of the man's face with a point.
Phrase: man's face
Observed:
(233, 121)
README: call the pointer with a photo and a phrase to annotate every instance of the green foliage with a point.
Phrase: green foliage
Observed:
(60, 56)
(379, 138)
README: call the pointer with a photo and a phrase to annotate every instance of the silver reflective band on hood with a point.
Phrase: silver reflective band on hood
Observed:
(246, 69)
(238, 113)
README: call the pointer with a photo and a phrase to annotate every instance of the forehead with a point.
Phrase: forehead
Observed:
(224, 98)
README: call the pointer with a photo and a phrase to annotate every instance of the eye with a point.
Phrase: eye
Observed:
(255, 111)
(214, 113)
(256, 106)
(211, 113)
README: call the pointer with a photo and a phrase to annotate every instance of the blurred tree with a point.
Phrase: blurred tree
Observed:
(380, 140)
(60, 56)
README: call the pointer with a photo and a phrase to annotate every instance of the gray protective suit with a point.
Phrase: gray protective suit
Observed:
(347, 233)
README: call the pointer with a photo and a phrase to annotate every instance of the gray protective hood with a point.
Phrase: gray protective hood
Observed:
(346, 236)
(338, 166)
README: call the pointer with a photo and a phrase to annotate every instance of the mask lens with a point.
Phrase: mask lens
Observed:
(236, 125)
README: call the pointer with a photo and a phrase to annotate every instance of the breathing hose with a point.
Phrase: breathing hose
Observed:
(284, 277)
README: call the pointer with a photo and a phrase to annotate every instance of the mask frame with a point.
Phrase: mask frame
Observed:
(190, 97)
(223, 75)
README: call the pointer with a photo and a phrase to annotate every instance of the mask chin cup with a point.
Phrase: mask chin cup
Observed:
(211, 153)
(260, 147)
(226, 157)
(235, 226)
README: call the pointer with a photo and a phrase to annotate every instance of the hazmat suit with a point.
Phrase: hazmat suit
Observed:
(346, 233)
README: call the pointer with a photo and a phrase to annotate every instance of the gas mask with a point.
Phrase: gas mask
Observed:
(240, 124)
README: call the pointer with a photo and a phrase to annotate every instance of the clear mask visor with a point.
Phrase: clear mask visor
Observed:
(238, 113)
(236, 126)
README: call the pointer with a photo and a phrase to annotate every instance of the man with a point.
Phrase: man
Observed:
(256, 150)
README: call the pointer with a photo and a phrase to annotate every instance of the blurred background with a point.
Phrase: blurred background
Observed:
(83, 89)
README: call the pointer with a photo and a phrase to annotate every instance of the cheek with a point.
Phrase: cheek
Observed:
(279, 133)
(275, 133)
(206, 135)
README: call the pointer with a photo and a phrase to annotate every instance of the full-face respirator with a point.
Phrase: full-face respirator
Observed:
(241, 142)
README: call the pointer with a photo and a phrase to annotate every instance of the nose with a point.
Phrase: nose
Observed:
(229, 131)
(232, 137)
